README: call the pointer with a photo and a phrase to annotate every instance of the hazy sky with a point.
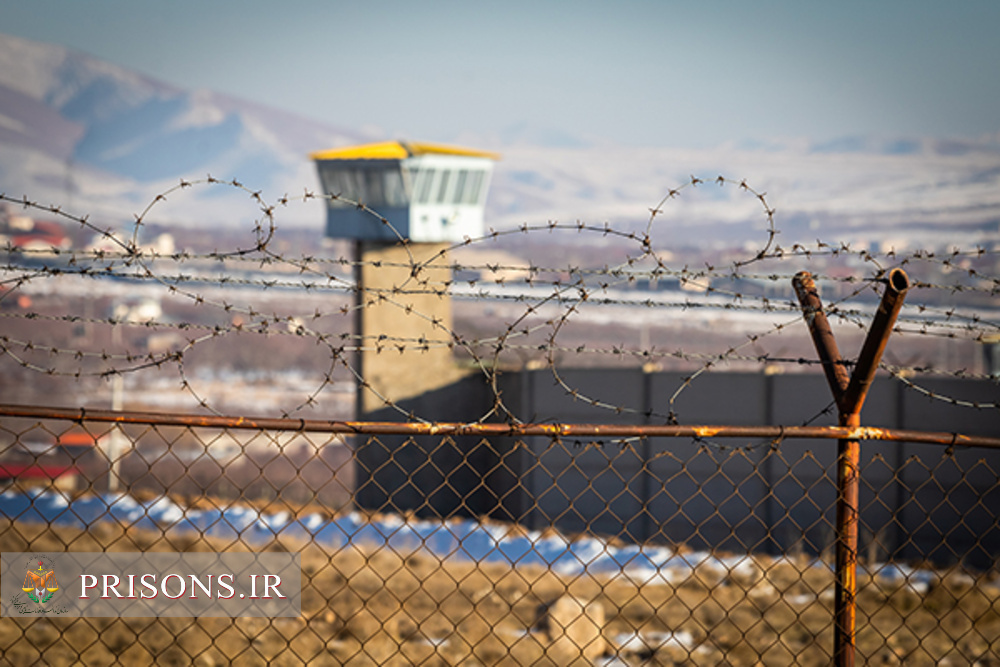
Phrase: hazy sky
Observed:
(639, 72)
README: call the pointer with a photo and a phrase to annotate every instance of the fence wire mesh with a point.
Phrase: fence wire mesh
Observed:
(660, 552)
(555, 444)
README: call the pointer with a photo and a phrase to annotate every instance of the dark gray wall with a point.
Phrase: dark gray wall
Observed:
(918, 501)
(431, 476)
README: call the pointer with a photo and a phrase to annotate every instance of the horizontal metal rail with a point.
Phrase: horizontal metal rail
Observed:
(492, 429)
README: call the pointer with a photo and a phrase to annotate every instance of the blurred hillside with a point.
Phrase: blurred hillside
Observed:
(102, 140)
(82, 132)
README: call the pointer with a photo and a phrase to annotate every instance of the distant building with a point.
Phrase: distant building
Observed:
(25, 233)
(428, 193)
(137, 310)
(114, 242)
(43, 461)
(489, 264)
(76, 443)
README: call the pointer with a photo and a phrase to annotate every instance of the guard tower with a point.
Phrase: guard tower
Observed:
(428, 193)
(432, 196)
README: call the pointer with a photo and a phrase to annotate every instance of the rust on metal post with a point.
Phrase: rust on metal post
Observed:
(875, 341)
(850, 402)
(846, 586)
(822, 335)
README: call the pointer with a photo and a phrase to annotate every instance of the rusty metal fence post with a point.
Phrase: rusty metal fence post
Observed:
(849, 393)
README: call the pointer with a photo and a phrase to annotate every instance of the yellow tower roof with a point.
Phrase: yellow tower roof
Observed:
(397, 150)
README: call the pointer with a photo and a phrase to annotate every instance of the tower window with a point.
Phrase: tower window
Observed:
(443, 187)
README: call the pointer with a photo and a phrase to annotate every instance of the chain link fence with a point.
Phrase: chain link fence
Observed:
(708, 565)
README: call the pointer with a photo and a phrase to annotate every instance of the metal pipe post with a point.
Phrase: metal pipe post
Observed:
(822, 334)
(846, 586)
(878, 336)
(849, 393)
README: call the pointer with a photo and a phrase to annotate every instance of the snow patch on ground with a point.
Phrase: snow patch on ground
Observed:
(461, 539)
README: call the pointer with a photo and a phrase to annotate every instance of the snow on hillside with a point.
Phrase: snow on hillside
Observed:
(104, 141)
(76, 130)
(876, 195)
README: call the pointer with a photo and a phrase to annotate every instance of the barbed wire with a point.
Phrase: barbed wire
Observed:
(306, 264)
(254, 290)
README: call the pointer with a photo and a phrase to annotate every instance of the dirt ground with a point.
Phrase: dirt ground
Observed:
(384, 608)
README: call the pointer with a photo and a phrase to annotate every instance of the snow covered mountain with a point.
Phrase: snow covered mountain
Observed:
(84, 133)
(103, 141)
(897, 193)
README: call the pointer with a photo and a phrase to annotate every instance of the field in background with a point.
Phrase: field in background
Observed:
(365, 606)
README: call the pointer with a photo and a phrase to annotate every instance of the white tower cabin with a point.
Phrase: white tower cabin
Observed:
(429, 193)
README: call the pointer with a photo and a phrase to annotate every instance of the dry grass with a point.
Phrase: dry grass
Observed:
(384, 608)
